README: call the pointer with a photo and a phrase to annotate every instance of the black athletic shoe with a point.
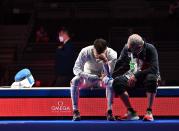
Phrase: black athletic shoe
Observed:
(110, 116)
(76, 115)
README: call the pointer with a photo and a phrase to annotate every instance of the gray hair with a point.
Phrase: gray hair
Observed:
(135, 39)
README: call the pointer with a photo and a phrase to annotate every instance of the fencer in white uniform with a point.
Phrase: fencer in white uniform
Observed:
(94, 65)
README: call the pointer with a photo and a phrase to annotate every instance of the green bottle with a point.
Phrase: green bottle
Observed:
(133, 64)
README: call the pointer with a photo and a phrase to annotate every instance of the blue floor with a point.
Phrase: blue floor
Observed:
(88, 125)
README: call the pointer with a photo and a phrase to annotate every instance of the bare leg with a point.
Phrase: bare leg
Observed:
(125, 99)
(150, 98)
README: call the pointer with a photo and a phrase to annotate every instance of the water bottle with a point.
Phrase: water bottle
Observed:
(133, 65)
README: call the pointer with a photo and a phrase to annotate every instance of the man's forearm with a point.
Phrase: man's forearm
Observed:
(106, 69)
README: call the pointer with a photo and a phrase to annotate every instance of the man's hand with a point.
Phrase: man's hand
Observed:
(132, 80)
(106, 80)
(103, 57)
(102, 76)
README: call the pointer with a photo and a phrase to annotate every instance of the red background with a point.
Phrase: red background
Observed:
(166, 106)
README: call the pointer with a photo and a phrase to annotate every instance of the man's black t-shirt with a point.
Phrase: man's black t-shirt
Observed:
(147, 60)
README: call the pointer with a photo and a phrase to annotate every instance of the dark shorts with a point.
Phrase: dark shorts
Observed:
(149, 83)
